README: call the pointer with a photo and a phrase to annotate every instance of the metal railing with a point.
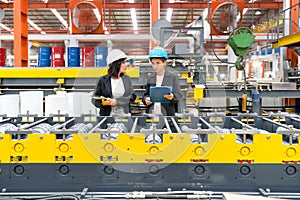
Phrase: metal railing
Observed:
(280, 24)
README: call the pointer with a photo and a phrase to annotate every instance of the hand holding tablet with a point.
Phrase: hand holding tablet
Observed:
(162, 94)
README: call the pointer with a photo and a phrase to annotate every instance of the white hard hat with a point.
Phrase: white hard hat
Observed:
(114, 55)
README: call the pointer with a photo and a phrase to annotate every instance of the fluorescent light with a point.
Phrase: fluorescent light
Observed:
(5, 27)
(60, 18)
(96, 12)
(257, 12)
(205, 13)
(36, 27)
(133, 17)
(169, 14)
(169, 11)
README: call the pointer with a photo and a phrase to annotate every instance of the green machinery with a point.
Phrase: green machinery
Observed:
(240, 40)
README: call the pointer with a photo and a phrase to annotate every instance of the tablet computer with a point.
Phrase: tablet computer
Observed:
(157, 93)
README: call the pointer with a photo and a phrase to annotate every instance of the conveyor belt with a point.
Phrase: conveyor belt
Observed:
(151, 153)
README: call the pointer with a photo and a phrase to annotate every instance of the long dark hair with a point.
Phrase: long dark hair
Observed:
(114, 68)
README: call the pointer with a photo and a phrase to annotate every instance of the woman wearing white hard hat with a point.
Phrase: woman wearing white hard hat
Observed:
(114, 91)
(158, 57)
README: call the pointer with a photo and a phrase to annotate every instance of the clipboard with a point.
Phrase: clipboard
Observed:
(157, 93)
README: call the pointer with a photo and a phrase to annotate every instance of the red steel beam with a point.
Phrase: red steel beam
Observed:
(38, 5)
(267, 5)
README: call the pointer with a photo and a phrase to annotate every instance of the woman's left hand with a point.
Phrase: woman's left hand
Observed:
(169, 96)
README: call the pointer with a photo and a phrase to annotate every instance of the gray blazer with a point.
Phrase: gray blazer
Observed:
(168, 80)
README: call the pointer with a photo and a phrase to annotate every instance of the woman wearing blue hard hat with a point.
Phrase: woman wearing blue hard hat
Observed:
(114, 91)
(158, 57)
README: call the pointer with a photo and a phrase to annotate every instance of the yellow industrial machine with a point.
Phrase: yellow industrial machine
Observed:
(122, 154)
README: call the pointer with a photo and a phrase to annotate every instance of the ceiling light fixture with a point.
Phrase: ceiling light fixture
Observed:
(257, 12)
(169, 11)
(169, 14)
(96, 12)
(60, 18)
(244, 11)
(5, 27)
(36, 27)
(133, 17)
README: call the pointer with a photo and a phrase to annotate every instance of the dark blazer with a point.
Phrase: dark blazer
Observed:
(168, 80)
(103, 88)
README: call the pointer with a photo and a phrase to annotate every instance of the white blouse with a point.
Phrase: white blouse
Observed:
(157, 105)
(117, 87)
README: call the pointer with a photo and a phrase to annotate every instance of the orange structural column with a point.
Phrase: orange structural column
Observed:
(295, 25)
(155, 15)
(155, 10)
(294, 10)
(294, 15)
(293, 55)
(20, 33)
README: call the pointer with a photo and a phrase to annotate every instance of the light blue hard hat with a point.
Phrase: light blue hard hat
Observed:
(158, 52)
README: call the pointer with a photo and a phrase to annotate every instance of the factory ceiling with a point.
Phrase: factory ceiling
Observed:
(117, 17)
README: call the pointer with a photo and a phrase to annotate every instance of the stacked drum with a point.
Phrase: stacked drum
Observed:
(57, 56)
(76, 56)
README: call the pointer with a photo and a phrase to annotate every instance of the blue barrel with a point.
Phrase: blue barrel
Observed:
(101, 55)
(73, 56)
(44, 56)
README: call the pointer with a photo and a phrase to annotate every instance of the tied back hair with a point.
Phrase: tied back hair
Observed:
(114, 68)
